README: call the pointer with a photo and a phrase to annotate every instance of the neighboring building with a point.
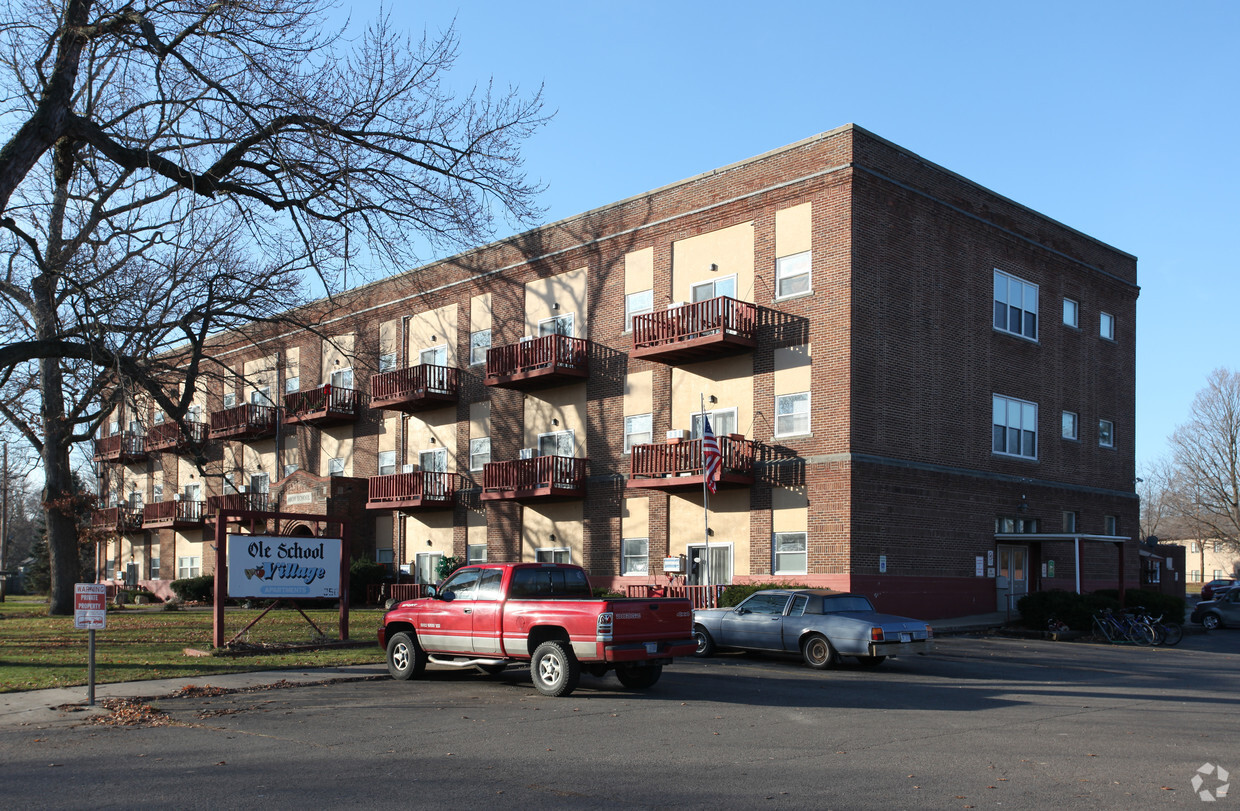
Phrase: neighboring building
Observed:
(1207, 560)
(924, 392)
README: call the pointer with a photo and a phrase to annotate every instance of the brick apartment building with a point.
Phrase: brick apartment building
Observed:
(923, 391)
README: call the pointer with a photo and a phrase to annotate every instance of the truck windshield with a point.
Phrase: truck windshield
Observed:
(548, 583)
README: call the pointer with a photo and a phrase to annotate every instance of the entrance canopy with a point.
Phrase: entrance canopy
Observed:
(1077, 538)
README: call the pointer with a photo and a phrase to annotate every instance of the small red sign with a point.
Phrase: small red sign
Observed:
(90, 605)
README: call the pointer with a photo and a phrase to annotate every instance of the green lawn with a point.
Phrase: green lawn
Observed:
(38, 651)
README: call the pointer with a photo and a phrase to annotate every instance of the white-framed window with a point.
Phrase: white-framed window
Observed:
(194, 413)
(335, 466)
(188, 566)
(292, 384)
(1070, 426)
(553, 554)
(479, 343)
(1069, 521)
(638, 431)
(426, 567)
(722, 423)
(434, 356)
(192, 492)
(114, 427)
(434, 460)
(342, 378)
(387, 362)
(1110, 525)
(1106, 433)
(705, 291)
(791, 553)
(556, 325)
(1008, 525)
(635, 556)
(791, 414)
(159, 418)
(1014, 427)
(260, 483)
(154, 563)
(638, 303)
(387, 463)
(792, 276)
(230, 399)
(1106, 326)
(135, 500)
(479, 452)
(1192, 547)
(720, 564)
(261, 396)
(1016, 306)
(157, 492)
(1071, 313)
(1218, 574)
(290, 468)
(229, 485)
(1194, 575)
(476, 553)
(135, 427)
(557, 443)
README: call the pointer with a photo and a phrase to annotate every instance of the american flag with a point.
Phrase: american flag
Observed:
(710, 455)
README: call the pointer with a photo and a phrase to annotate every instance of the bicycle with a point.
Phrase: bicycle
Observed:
(1165, 633)
(1118, 629)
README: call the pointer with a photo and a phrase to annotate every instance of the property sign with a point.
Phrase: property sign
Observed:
(276, 567)
(90, 605)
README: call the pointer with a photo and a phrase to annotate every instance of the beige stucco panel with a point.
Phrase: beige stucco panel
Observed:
(338, 354)
(431, 329)
(389, 337)
(639, 393)
(730, 380)
(259, 457)
(731, 249)
(729, 518)
(389, 428)
(793, 369)
(635, 518)
(793, 229)
(336, 442)
(480, 312)
(261, 374)
(480, 419)
(567, 404)
(292, 363)
(568, 290)
(475, 527)
(439, 425)
(789, 510)
(638, 270)
(434, 526)
(564, 520)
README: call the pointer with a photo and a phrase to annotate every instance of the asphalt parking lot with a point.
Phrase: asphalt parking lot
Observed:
(983, 722)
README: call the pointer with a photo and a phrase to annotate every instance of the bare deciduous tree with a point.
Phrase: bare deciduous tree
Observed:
(170, 170)
(1206, 458)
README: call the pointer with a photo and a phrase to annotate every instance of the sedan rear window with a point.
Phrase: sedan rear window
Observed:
(852, 602)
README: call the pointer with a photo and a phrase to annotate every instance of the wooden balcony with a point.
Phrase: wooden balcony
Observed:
(323, 405)
(167, 436)
(698, 331)
(117, 519)
(123, 448)
(415, 388)
(552, 360)
(541, 478)
(245, 422)
(174, 515)
(678, 465)
(420, 490)
(254, 502)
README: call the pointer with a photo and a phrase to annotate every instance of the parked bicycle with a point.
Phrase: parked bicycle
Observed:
(1166, 632)
(1122, 628)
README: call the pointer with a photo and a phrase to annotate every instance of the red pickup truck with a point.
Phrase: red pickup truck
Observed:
(491, 615)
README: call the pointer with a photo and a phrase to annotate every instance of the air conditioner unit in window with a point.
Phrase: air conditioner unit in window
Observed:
(678, 433)
(529, 453)
(409, 468)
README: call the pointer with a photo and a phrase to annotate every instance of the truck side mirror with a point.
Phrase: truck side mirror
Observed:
(432, 592)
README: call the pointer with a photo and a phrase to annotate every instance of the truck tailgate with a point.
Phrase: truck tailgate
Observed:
(642, 620)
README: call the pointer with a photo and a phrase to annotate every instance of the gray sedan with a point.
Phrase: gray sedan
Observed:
(1223, 610)
(823, 625)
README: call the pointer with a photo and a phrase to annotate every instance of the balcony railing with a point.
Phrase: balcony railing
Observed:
(538, 478)
(253, 502)
(174, 514)
(677, 465)
(322, 405)
(124, 448)
(117, 519)
(412, 491)
(696, 331)
(249, 421)
(167, 436)
(415, 388)
(546, 361)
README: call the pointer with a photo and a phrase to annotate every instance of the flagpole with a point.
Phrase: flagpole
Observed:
(705, 499)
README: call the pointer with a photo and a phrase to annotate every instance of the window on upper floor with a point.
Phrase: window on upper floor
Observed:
(1009, 525)
(1069, 429)
(556, 325)
(479, 343)
(1014, 427)
(335, 466)
(706, 291)
(479, 452)
(1069, 521)
(792, 275)
(434, 356)
(553, 554)
(292, 384)
(260, 483)
(1106, 433)
(1016, 306)
(637, 431)
(556, 443)
(387, 362)
(387, 463)
(1106, 326)
(792, 414)
(638, 303)
(1110, 525)
(434, 460)
(1071, 313)
(722, 423)
(159, 418)
(342, 378)
(290, 468)
(230, 399)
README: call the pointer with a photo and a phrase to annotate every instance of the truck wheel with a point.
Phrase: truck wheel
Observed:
(405, 657)
(637, 677)
(554, 670)
(818, 653)
(705, 645)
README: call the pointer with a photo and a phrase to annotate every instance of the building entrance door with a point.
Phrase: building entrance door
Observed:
(1012, 576)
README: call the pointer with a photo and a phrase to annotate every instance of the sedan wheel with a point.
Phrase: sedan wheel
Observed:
(1212, 622)
(818, 653)
(705, 645)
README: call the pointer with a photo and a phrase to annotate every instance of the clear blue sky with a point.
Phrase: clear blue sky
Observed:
(1119, 119)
